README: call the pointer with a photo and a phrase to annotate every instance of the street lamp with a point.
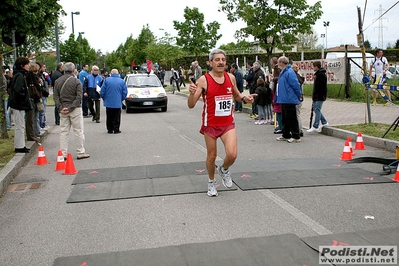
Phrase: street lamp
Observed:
(81, 48)
(74, 13)
(326, 24)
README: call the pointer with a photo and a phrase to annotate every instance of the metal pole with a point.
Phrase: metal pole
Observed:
(57, 43)
(14, 45)
(73, 30)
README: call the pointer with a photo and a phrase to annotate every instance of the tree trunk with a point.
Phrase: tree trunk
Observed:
(3, 86)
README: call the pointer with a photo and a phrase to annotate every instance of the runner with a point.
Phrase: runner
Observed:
(218, 90)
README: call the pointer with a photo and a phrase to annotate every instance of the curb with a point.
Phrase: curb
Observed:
(11, 169)
(385, 144)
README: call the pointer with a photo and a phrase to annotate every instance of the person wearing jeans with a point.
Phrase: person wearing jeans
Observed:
(319, 96)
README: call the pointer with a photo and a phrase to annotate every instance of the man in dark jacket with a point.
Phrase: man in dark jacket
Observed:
(319, 96)
(249, 77)
(56, 74)
(19, 102)
(240, 85)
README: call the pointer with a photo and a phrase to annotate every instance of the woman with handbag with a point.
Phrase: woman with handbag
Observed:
(19, 102)
(32, 116)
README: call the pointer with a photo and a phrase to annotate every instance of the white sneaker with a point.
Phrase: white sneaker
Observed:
(212, 192)
(325, 125)
(281, 139)
(292, 140)
(313, 129)
(226, 178)
(257, 122)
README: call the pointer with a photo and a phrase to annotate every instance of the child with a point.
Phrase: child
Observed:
(261, 101)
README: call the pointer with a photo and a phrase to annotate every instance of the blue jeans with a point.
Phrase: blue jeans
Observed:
(7, 114)
(42, 114)
(262, 112)
(317, 105)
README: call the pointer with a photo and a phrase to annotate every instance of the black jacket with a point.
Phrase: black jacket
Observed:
(19, 96)
(320, 85)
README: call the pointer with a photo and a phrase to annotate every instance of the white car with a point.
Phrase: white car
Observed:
(145, 91)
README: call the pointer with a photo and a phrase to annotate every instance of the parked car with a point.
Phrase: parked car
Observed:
(145, 91)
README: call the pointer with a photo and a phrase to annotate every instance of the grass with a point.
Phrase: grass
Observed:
(7, 149)
(373, 129)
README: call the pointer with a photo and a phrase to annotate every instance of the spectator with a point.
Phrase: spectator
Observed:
(182, 76)
(54, 76)
(277, 108)
(113, 92)
(91, 89)
(44, 76)
(240, 85)
(288, 94)
(19, 102)
(319, 95)
(301, 80)
(249, 78)
(381, 66)
(175, 79)
(82, 77)
(197, 71)
(35, 93)
(68, 98)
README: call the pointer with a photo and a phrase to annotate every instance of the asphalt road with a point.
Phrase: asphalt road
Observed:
(37, 226)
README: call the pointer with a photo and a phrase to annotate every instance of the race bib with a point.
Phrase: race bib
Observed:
(223, 105)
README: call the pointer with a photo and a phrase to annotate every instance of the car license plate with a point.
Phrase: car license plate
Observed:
(148, 103)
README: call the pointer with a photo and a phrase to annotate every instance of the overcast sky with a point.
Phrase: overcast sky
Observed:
(107, 24)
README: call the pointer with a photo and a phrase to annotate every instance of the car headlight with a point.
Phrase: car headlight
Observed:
(162, 95)
(131, 96)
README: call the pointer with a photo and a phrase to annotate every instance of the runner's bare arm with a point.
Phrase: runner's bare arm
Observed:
(196, 91)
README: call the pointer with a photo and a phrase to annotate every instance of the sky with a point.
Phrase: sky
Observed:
(108, 24)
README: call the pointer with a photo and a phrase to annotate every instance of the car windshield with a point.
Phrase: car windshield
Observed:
(142, 81)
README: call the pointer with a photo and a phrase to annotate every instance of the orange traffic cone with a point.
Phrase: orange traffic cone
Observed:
(70, 166)
(396, 178)
(359, 142)
(41, 157)
(346, 154)
(350, 145)
(60, 162)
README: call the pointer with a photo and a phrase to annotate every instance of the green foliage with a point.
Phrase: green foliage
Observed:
(193, 36)
(30, 18)
(239, 47)
(77, 51)
(307, 41)
(367, 44)
(276, 24)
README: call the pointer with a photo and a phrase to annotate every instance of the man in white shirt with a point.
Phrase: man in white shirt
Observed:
(380, 64)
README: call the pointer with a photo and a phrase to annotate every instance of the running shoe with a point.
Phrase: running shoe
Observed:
(226, 178)
(212, 192)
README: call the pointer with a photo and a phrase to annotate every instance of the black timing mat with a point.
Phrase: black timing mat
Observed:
(148, 187)
(376, 237)
(306, 178)
(139, 172)
(269, 250)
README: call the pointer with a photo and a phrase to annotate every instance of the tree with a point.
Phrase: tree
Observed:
(276, 24)
(194, 37)
(307, 41)
(397, 44)
(25, 18)
(367, 44)
(29, 18)
(241, 46)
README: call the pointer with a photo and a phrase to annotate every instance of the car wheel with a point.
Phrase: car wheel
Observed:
(164, 109)
(128, 110)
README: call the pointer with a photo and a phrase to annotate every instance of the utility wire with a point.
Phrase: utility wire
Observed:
(382, 15)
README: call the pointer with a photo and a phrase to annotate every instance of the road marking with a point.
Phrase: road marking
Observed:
(303, 218)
